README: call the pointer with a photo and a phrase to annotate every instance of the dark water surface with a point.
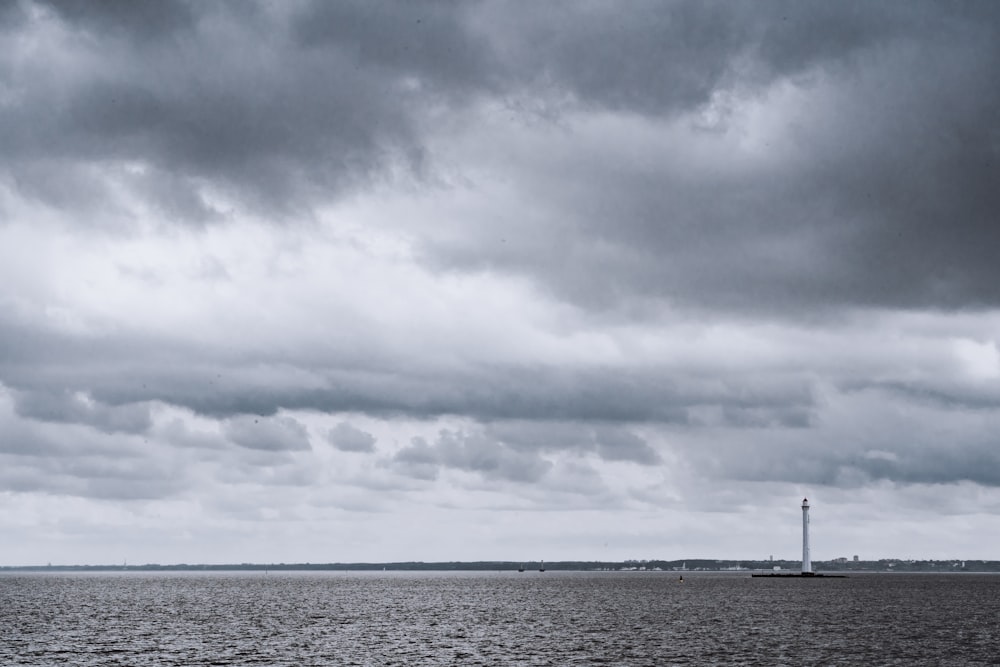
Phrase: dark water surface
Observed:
(474, 618)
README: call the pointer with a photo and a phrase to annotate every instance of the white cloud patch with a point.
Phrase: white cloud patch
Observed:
(347, 438)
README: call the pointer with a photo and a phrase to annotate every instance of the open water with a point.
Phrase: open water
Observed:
(499, 618)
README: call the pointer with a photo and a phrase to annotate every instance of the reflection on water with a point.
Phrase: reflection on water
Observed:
(504, 618)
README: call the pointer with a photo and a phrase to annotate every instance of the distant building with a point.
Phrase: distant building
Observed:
(855, 558)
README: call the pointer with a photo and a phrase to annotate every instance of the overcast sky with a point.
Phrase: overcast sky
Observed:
(356, 281)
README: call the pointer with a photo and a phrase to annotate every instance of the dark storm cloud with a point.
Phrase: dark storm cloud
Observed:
(229, 105)
(885, 195)
(876, 190)
(137, 20)
(11, 12)
(430, 41)
(660, 57)
(347, 438)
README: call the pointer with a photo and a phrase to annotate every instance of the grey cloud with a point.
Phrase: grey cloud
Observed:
(139, 20)
(476, 453)
(502, 393)
(265, 127)
(11, 12)
(323, 101)
(945, 463)
(943, 393)
(471, 453)
(418, 460)
(176, 432)
(73, 407)
(542, 435)
(33, 438)
(63, 460)
(272, 434)
(118, 373)
(288, 472)
(610, 442)
(175, 195)
(773, 416)
(668, 57)
(19, 439)
(877, 193)
(883, 195)
(872, 211)
(132, 478)
(126, 484)
(430, 41)
(574, 477)
(940, 462)
(347, 438)
(861, 437)
(617, 444)
(604, 171)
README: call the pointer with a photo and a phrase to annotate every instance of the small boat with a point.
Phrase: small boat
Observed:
(541, 566)
(521, 569)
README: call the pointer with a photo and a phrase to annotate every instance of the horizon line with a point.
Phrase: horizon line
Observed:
(491, 564)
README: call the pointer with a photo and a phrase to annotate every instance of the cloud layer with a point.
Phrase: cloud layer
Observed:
(572, 277)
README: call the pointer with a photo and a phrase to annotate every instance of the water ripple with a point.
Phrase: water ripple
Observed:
(556, 618)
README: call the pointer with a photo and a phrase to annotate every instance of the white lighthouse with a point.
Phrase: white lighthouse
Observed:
(806, 562)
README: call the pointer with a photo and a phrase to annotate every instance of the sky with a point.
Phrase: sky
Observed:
(353, 281)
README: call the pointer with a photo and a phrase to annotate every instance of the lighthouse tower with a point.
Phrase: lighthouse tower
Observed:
(806, 562)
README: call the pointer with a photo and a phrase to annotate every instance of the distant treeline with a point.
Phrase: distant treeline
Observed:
(706, 565)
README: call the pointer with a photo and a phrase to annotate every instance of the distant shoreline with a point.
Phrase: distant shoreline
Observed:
(679, 566)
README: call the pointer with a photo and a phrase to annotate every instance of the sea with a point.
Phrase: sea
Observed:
(496, 618)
